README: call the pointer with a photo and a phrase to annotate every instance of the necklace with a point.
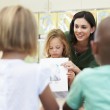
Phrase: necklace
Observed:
(79, 50)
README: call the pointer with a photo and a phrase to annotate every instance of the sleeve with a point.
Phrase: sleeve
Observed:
(44, 78)
(75, 96)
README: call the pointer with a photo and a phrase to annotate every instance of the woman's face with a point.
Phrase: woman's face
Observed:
(56, 48)
(82, 29)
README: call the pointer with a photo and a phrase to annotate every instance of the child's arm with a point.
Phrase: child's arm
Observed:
(48, 100)
(66, 107)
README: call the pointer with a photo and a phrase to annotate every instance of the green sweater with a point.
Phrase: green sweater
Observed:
(85, 59)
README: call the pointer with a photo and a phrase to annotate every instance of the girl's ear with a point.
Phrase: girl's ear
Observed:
(93, 29)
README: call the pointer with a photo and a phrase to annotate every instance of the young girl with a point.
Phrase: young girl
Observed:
(57, 47)
(56, 44)
(21, 83)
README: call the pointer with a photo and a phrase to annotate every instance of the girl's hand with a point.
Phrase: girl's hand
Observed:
(71, 76)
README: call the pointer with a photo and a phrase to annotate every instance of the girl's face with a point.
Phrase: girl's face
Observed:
(56, 48)
(82, 30)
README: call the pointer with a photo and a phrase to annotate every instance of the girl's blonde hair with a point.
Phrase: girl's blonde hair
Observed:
(57, 33)
(18, 30)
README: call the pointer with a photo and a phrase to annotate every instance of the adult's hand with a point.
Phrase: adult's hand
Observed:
(71, 67)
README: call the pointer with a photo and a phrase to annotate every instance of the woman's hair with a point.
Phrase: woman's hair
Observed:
(18, 30)
(57, 33)
(88, 16)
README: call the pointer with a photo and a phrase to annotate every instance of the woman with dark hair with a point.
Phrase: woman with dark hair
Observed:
(81, 32)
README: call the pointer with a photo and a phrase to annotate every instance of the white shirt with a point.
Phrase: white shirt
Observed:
(21, 83)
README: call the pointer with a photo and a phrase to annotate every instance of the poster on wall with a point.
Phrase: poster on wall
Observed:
(64, 19)
(36, 18)
(58, 78)
(94, 12)
(101, 14)
(47, 21)
(41, 44)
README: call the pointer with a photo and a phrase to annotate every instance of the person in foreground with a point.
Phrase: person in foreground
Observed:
(82, 28)
(92, 85)
(21, 83)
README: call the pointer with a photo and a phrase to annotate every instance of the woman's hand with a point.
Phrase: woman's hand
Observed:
(71, 67)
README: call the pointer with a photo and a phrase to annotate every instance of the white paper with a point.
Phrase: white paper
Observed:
(58, 78)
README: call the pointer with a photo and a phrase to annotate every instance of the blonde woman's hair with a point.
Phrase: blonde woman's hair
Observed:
(57, 33)
(18, 30)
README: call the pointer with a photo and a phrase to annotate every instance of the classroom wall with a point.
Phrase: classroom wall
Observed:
(7, 3)
(58, 5)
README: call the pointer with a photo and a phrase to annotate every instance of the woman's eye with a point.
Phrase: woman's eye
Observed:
(76, 26)
(84, 27)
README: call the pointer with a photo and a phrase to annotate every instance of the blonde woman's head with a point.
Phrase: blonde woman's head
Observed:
(18, 30)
